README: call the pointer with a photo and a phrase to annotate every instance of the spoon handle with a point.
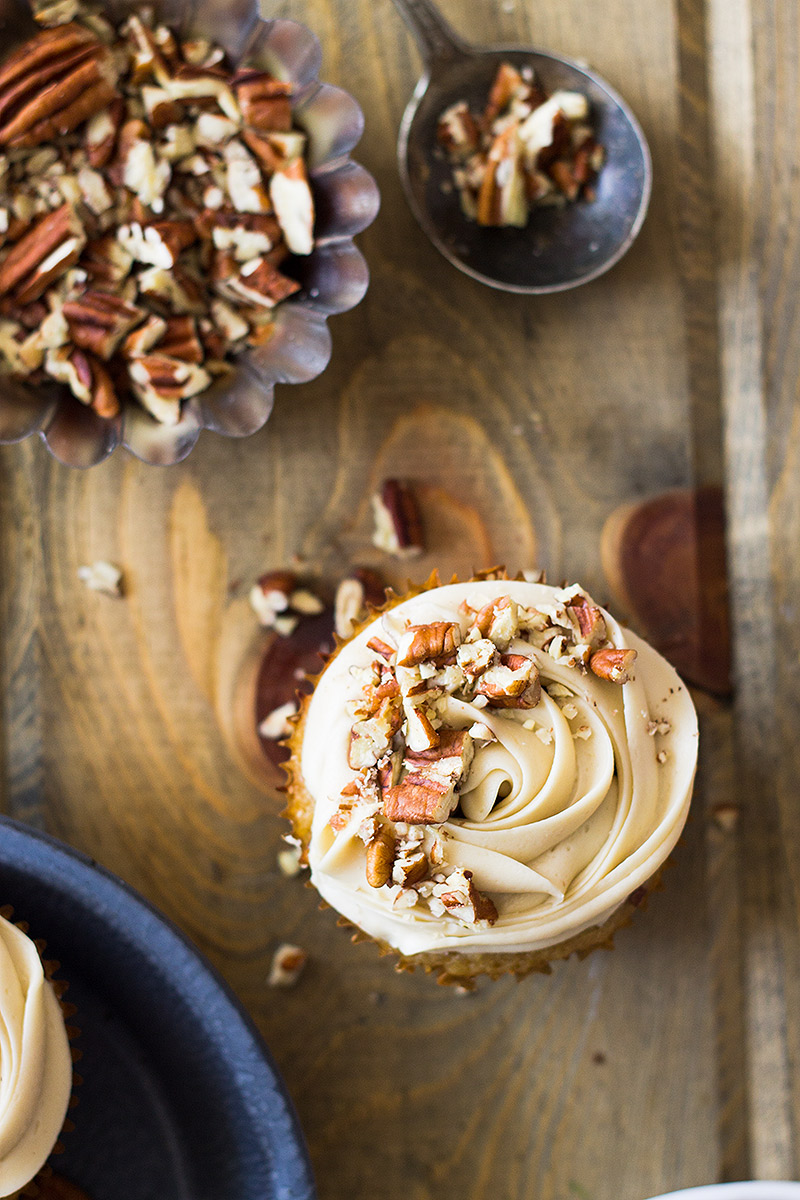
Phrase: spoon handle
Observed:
(435, 38)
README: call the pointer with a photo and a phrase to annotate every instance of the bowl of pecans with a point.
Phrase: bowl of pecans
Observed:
(177, 214)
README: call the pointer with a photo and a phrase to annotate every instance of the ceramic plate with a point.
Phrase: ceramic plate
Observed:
(737, 1191)
(180, 1098)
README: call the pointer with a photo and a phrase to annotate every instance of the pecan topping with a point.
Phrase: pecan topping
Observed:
(435, 643)
(589, 618)
(426, 795)
(614, 665)
(464, 901)
(498, 621)
(513, 683)
(380, 857)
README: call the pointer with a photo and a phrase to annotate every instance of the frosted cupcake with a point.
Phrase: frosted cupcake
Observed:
(490, 775)
(35, 1062)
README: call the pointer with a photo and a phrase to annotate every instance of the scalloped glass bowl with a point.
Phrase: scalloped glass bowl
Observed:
(334, 277)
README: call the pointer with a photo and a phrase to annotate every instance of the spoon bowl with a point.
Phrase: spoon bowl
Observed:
(560, 247)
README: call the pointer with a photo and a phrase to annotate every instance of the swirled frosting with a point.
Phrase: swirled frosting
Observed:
(35, 1062)
(567, 805)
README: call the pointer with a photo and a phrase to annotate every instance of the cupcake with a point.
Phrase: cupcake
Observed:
(35, 1062)
(489, 776)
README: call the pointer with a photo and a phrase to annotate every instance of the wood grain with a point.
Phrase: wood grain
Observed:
(522, 424)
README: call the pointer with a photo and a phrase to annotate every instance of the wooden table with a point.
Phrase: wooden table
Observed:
(675, 1060)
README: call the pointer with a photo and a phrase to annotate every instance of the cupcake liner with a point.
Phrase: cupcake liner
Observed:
(450, 967)
(46, 1185)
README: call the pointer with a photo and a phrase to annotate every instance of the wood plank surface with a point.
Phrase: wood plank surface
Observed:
(674, 1060)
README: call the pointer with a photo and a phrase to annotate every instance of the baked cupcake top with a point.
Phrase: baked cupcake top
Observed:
(495, 766)
(35, 1062)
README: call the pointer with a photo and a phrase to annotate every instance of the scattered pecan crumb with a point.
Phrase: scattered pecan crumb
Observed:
(276, 724)
(289, 861)
(102, 577)
(287, 966)
(398, 524)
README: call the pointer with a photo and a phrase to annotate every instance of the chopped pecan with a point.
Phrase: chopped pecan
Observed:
(381, 648)
(143, 339)
(457, 131)
(502, 199)
(160, 383)
(410, 868)
(463, 900)
(590, 621)
(420, 733)
(86, 377)
(498, 621)
(259, 283)
(291, 197)
(436, 642)
(45, 253)
(427, 794)
(371, 739)
(614, 665)
(53, 83)
(398, 526)
(180, 340)
(287, 966)
(476, 657)
(380, 857)
(158, 244)
(512, 683)
(99, 321)
(101, 132)
(264, 100)
(420, 800)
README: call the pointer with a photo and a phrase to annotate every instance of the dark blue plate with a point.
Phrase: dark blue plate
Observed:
(180, 1099)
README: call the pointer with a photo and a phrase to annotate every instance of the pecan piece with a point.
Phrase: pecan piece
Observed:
(464, 901)
(498, 621)
(86, 378)
(290, 193)
(161, 383)
(46, 252)
(180, 340)
(99, 321)
(143, 339)
(435, 643)
(398, 526)
(371, 739)
(590, 621)
(264, 100)
(427, 794)
(380, 858)
(101, 133)
(512, 683)
(614, 665)
(419, 800)
(258, 283)
(51, 90)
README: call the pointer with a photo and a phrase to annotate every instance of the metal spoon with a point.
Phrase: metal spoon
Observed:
(560, 247)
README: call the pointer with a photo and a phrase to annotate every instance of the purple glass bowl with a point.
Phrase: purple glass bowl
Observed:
(334, 277)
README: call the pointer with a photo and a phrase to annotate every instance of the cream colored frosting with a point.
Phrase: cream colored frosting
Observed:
(595, 784)
(35, 1062)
